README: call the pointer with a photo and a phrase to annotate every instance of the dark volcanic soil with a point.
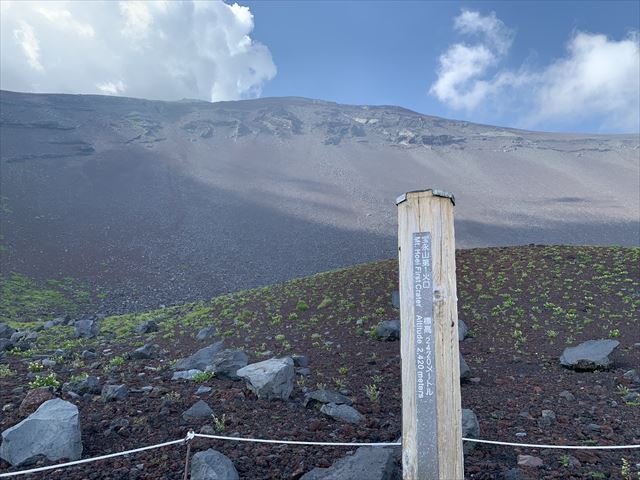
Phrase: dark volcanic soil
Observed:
(523, 305)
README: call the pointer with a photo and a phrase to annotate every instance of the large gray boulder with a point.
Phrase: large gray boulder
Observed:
(53, 431)
(212, 465)
(18, 336)
(201, 359)
(6, 331)
(86, 329)
(388, 330)
(368, 463)
(270, 379)
(227, 362)
(342, 413)
(590, 355)
(470, 429)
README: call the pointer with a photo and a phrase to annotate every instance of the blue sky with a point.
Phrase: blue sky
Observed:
(548, 65)
(388, 52)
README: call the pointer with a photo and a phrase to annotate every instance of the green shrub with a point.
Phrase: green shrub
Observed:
(35, 367)
(47, 381)
(326, 301)
(5, 371)
(116, 361)
(203, 377)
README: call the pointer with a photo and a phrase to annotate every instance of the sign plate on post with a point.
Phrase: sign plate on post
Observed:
(426, 421)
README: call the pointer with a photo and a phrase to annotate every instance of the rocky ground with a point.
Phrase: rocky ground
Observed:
(523, 306)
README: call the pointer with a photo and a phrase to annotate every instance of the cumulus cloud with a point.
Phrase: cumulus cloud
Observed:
(459, 81)
(596, 79)
(150, 49)
(494, 31)
(598, 76)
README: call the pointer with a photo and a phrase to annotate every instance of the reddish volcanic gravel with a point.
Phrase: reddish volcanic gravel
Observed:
(523, 306)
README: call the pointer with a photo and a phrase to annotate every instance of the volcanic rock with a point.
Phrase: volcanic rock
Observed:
(200, 409)
(206, 333)
(344, 413)
(34, 398)
(326, 396)
(6, 331)
(388, 330)
(470, 429)
(370, 463)
(114, 392)
(529, 461)
(145, 352)
(147, 326)
(186, 374)
(270, 379)
(300, 360)
(465, 371)
(567, 395)
(395, 299)
(5, 344)
(590, 355)
(201, 359)
(212, 465)
(52, 431)
(227, 362)
(547, 418)
(633, 376)
(89, 385)
(87, 329)
(462, 330)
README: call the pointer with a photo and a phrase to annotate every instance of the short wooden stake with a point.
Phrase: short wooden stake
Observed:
(431, 410)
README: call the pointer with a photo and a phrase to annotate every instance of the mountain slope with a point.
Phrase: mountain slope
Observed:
(183, 199)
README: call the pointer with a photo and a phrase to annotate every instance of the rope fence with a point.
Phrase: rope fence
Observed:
(191, 435)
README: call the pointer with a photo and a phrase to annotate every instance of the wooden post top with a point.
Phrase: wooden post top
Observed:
(433, 191)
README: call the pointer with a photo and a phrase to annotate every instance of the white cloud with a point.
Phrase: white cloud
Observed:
(597, 79)
(458, 67)
(461, 65)
(150, 49)
(63, 19)
(598, 75)
(28, 42)
(494, 31)
(139, 17)
(110, 88)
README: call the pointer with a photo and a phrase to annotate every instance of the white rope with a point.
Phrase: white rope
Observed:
(191, 435)
(565, 447)
(395, 444)
(95, 459)
(296, 442)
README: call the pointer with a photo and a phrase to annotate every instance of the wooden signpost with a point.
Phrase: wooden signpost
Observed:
(431, 410)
